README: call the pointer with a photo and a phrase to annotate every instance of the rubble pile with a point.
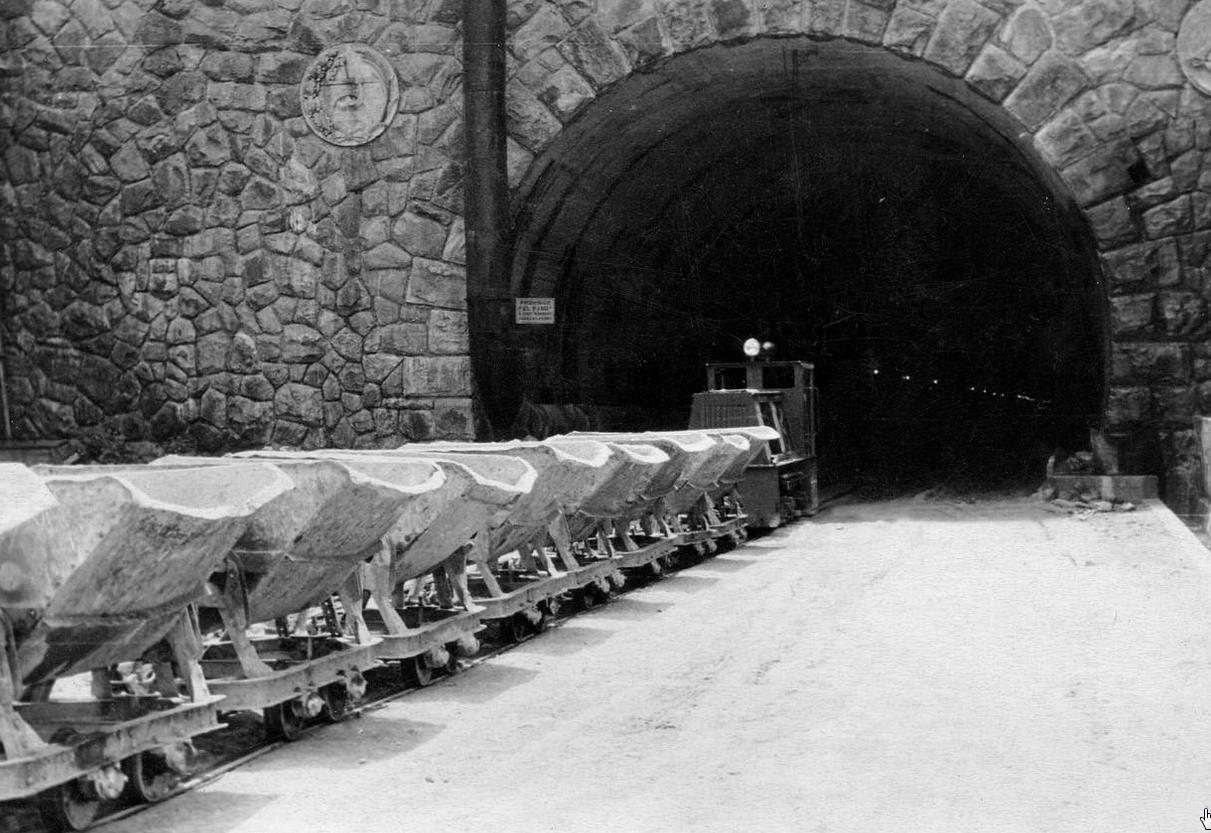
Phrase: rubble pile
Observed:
(1081, 502)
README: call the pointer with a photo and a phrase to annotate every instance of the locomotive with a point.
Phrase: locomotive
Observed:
(780, 483)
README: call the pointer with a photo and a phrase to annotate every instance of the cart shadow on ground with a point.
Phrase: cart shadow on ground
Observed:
(626, 608)
(221, 812)
(481, 683)
(770, 539)
(374, 736)
(569, 639)
(682, 584)
(726, 564)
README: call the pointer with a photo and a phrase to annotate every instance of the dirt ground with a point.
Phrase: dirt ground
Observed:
(920, 666)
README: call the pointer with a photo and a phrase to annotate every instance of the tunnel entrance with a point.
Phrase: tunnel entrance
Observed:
(868, 214)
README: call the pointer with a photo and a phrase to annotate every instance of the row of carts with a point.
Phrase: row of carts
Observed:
(140, 604)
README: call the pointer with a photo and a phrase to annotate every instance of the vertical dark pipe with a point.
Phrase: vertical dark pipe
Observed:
(487, 207)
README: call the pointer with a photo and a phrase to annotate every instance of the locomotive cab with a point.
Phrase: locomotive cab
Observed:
(780, 484)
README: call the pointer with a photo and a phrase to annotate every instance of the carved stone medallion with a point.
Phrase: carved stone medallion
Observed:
(1194, 46)
(349, 94)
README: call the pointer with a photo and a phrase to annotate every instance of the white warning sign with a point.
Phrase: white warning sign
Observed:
(534, 310)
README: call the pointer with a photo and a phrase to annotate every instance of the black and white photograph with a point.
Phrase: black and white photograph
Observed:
(605, 416)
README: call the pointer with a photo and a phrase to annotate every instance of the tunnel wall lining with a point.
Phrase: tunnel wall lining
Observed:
(157, 166)
(1092, 92)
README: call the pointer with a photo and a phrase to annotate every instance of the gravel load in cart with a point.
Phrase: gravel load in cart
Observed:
(101, 567)
(421, 613)
(284, 649)
(515, 576)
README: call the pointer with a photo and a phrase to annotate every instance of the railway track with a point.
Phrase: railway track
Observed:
(245, 740)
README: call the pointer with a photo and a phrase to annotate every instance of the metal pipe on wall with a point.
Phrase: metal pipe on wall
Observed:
(487, 207)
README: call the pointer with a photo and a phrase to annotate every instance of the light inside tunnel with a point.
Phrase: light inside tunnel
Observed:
(862, 212)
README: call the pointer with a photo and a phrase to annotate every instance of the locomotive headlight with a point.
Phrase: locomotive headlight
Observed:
(752, 348)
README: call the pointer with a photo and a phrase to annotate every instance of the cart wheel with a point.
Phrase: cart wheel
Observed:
(452, 665)
(416, 671)
(336, 702)
(517, 627)
(282, 722)
(591, 596)
(149, 778)
(66, 807)
(494, 632)
(584, 599)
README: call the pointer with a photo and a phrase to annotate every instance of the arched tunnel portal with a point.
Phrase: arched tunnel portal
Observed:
(864, 212)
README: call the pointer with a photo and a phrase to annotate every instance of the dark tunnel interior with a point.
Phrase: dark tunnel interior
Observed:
(863, 213)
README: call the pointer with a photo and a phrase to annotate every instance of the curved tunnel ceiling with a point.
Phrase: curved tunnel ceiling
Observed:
(861, 210)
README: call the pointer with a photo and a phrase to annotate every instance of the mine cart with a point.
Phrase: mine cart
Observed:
(710, 501)
(690, 505)
(593, 527)
(726, 497)
(694, 502)
(780, 483)
(285, 649)
(422, 614)
(653, 522)
(101, 567)
(515, 577)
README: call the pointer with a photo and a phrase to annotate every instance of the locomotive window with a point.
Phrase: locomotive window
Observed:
(778, 377)
(769, 417)
(729, 378)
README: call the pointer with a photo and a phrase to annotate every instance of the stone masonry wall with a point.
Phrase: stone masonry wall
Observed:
(181, 254)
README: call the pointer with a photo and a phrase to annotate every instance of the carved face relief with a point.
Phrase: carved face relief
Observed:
(1194, 46)
(350, 94)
